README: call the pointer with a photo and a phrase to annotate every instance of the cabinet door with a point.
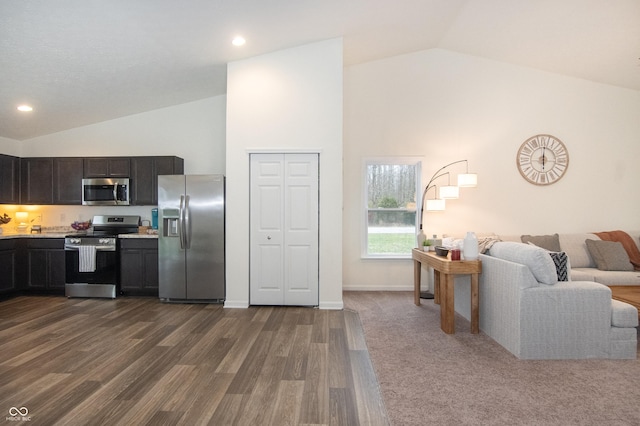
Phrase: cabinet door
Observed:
(8, 269)
(144, 177)
(150, 261)
(139, 266)
(36, 181)
(55, 269)
(9, 179)
(37, 268)
(142, 181)
(106, 167)
(45, 264)
(67, 180)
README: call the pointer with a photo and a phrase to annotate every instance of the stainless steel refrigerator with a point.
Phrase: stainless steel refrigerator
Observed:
(191, 215)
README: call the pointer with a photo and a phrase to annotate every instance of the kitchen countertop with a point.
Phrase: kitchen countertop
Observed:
(6, 234)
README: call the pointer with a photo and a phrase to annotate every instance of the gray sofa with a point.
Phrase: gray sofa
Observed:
(583, 266)
(526, 310)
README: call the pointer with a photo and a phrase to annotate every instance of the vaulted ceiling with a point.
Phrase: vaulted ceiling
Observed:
(79, 62)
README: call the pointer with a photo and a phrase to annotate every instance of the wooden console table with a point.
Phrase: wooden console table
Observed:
(444, 270)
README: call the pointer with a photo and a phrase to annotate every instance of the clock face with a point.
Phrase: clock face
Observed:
(542, 159)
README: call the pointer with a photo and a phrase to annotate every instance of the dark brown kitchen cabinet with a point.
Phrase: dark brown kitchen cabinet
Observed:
(36, 183)
(9, 179)
(139, 266)
(144, 176)
(45, 265)
(67, 180)
(105, 167)
(9, 265)
(51, 180)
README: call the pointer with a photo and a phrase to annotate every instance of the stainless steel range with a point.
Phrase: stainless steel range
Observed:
(91, 258)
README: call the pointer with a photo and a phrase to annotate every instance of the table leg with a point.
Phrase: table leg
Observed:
(447, 312)
(475, 305)
(436, 287)
(417, 267)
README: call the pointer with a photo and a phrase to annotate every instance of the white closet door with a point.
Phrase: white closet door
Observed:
(284, 229)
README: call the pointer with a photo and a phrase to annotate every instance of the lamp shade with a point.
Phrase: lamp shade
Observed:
(22, 216)
(467, 180)
(449, 192)
(435, 205)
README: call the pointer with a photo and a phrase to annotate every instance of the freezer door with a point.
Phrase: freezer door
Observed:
(171, 256)
(204, 224)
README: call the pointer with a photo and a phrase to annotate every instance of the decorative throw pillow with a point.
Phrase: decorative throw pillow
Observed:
(549, 242)
(561, 261)
(609, 255)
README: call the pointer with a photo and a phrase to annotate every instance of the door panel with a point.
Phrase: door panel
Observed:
(284, 229)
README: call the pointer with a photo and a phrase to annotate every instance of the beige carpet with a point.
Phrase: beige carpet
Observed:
(430, 378)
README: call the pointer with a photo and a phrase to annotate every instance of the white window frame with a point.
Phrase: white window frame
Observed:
(404, 161)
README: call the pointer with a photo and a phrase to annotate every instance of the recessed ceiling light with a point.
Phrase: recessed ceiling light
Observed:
(238, 41)
(25, 108)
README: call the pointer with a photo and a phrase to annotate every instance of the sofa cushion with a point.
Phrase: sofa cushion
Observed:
(609, 255)
(549, 242)
(536, 258)
(575, 247)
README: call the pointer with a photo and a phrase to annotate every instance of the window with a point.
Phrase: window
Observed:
(390, 199)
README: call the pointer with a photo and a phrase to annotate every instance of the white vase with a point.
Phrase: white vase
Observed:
(470, 247)
(420, 237)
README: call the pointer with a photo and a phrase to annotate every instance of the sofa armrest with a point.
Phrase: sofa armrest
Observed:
(567, 320)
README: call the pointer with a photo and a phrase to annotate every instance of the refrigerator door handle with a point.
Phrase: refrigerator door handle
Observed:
(187, 223)
(181, 223)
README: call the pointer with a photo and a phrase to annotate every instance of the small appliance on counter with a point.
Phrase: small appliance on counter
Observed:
(154, 218)
(36, 229)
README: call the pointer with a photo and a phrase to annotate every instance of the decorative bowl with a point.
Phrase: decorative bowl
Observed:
(81, 226)
(442, 251)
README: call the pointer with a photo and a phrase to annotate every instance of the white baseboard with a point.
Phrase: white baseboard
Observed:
(335, 306)
(375, 288)
(237, 304)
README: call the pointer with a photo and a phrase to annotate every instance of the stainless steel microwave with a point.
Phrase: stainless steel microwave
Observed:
(105, 192)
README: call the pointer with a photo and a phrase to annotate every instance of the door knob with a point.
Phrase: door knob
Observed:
(268, 237)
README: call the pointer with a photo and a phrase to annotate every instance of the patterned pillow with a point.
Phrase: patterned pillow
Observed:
(561, 261)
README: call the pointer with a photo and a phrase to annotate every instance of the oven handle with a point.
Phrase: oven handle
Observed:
(99, 248)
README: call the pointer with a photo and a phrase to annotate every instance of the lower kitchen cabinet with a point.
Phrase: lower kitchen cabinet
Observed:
(45, 271)
(139, 266)
(9, 265)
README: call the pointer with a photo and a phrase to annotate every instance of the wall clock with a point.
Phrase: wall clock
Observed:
(542, 159)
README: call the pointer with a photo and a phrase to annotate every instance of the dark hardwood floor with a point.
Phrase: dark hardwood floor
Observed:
(136, 361)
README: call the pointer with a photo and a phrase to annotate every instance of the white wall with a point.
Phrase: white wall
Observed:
(286, 101)
(194, 131)
(447, 106)
(9, 147)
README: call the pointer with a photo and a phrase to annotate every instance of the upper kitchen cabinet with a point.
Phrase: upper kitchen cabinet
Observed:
(144, 177)
(36, 183)
(9, 179)
(51, 180)
(67, 180)
(107, 167)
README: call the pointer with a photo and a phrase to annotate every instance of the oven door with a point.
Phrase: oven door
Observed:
(102, 282)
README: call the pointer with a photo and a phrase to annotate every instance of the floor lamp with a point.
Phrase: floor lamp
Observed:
(465, 180)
